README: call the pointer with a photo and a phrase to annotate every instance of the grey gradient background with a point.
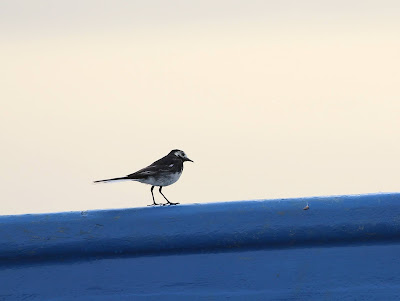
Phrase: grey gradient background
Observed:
(271, 99)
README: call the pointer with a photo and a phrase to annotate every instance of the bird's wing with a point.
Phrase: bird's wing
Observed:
(152, 170)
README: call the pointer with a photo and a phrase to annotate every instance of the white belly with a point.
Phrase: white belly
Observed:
(161, 181)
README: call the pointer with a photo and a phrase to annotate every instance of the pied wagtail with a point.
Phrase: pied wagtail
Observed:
(163, 172)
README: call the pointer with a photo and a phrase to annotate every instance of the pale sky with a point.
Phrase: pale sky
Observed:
(271, 99)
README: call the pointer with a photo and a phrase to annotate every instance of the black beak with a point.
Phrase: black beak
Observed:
(187, 159)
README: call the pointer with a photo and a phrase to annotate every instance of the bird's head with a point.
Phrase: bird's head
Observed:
(180, 154)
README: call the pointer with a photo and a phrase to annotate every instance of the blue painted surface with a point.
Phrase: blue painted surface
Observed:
(343, 248)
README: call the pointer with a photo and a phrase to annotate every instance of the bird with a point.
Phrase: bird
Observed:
(163, 172)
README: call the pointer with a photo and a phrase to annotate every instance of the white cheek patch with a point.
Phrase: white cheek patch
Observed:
(180, 154)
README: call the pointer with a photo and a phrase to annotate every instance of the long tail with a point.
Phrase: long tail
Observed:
(109, 180)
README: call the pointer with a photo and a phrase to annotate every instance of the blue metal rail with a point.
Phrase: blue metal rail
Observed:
(342, 248)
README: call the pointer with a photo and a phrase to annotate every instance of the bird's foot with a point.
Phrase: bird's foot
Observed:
(169, 204)
(155, 204)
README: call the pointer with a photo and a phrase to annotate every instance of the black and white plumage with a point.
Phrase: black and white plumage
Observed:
(163, 172)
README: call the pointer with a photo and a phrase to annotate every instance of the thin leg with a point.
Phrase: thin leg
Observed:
(154, 202)
(169, 203)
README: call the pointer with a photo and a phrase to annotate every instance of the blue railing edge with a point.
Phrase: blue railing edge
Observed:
(349, 219)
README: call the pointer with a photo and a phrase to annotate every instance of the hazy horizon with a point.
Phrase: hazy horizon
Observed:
(270, 100)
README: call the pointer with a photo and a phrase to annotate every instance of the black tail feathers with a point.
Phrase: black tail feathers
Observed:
(109, 180)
